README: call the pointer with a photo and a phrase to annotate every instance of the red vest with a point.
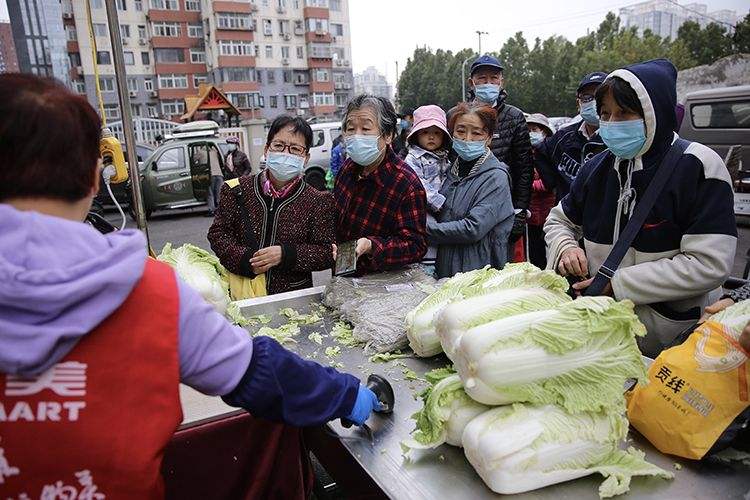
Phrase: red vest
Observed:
(97, 422)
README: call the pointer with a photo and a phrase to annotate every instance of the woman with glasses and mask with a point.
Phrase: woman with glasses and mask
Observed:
(380, 201)
(471, 229)
(273, 222)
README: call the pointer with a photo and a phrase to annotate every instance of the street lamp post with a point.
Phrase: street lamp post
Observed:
(479, 34)
(463, 77)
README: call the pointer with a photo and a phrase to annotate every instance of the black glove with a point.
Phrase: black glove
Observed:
(519, 226)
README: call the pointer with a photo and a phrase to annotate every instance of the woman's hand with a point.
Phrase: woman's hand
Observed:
(266, 258)
(573, 263)
(364, 247)
(716, 307)
(581, 286)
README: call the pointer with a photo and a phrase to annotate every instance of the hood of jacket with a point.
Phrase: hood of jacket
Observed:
(58, 280)
(655, 84)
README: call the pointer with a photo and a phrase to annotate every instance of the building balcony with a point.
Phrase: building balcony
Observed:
(237, 61)
(173, 16)
(324, 110)
(315, 13)
(175, 93)
(73, 46)
(175, 42)
(179, 68)
(245, 36)
(239, 86)
(318, 37)
(313, 63)
(237, 7)
(322, 87)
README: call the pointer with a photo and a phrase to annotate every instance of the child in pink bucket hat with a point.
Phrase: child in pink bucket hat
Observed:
(429, 143)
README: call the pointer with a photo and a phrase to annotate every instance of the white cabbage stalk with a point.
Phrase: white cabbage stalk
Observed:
(577, 355)
(202, 271)
(732, 320)
(421, 322)
(462, 315)
(521, 448)
(446, 412)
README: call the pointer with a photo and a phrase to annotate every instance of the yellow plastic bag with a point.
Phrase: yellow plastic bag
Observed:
(694, 393)
(242, 287)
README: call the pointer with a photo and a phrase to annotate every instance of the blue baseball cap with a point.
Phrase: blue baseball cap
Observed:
(596, 78)
(485, 60)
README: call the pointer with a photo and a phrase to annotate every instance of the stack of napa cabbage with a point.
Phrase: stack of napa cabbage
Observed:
(538, 394)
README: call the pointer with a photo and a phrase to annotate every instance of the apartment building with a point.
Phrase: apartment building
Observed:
(268, 56)
(39, 37)
(371, 81)
(8, 59)
(664, 17)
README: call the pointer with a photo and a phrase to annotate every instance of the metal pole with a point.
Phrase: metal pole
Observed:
(127, 120)
(463, 78)
(479, 34)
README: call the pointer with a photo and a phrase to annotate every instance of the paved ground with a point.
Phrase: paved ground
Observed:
(190, 226)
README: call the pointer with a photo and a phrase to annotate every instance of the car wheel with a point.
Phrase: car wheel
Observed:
(316, 179)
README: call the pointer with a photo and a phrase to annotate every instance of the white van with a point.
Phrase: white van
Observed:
(320, 152)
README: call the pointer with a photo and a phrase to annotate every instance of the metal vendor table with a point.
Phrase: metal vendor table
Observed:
(443, 472)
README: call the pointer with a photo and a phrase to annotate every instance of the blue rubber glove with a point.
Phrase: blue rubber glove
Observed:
(366, 402)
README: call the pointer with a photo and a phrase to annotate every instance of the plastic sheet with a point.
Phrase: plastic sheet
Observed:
(377, 304)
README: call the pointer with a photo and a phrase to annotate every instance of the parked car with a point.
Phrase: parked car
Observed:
(177, 174)
(720, 119)
(320, 153)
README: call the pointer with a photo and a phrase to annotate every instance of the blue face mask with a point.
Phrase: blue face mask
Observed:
(625, 139)
(589, 114)
(469, 150)
(487, 92)
(284, 167)
(536, 138)
(363, 149)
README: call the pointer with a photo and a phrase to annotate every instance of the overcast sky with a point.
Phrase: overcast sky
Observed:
(386, 31)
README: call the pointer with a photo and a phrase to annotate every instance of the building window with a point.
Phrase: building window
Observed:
(198, 79)
(145, 58)
(97, 4)
(129, 58)
(335, 5)
(235, 48)
(193, 5)
(132, 84)
(287, 74)
(138, 5)
(166, 29)
(75, 58)
(337, 29)
(165, 4)
(317, 25)
(71, 34)
(274, 101)
(342, 100)
(121, 5)
(142, 31)
(169, 55)
(237, 74)
(246, 100)
(338, 52)
(301, 78)
(195, 30)
(107, 83)
(283, 26)
(299, 27)
(322, 75)
(125, 30)
(233, 21)
(256, 50)
(285, 52)
(267, 27)
(173, 81)
(173, 107)
(300, 52)
(148, 84)
(136, 110)
(271, 76)
(319, 50)
(103, 57)
(100, 29)
(317, 3)
(290, 101)
(269, 52)
(80, 86)
(152, 111)
(197, 56)
(320, 99)
(111, 111)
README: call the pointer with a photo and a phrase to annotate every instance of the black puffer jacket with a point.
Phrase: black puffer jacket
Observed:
(512, 146)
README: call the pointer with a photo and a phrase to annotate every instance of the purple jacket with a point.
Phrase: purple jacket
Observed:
(59, 279)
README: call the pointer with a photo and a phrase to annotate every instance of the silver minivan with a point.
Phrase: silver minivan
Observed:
(720, 119)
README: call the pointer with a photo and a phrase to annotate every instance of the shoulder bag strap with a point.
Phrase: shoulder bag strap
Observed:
(645, 204)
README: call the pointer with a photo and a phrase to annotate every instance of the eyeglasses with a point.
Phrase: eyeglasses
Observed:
(280, 147)
(586, 97)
